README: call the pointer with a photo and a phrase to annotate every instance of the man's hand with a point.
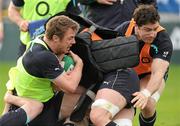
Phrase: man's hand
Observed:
(141, 98)
(107, 2)
(23, 25)
(75, 57)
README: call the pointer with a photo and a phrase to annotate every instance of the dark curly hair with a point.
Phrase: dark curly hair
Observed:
(145, 14)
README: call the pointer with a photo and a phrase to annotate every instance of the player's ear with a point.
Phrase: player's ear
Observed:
(55, 38)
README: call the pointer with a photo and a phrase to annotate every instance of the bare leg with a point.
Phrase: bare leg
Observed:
(30, 106)
(100, 116)
(7, 105)
(69, 101)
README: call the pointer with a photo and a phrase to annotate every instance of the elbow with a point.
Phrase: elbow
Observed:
(71, 87)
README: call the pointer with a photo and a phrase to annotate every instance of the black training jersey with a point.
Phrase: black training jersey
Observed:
(110, 16)
(41, 62)
(161, 47)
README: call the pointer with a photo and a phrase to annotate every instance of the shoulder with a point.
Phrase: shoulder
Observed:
(163, 38)
(39, 56)
(42, 63)
(46, 55)
(164, 45)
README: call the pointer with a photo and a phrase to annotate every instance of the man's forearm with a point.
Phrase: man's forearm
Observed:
(14, 14)
(154, 82)
(158, 69)
(77, 72)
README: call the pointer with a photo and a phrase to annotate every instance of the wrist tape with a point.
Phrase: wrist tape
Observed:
(146, 92)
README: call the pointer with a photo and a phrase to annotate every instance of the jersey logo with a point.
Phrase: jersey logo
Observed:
(165, 54)
(106, 82)
(56, 69)
(42, 6)
(145, 60)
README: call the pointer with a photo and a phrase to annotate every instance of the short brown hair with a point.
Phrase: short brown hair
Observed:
(145, 14)
(58, 25)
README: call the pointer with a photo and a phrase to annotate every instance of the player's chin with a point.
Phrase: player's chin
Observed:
(67, 51)
(149, 40)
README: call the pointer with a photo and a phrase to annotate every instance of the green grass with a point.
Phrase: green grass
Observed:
(168, 108)
(4, 68)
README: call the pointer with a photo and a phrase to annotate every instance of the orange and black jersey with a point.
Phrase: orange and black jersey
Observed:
(161, 47)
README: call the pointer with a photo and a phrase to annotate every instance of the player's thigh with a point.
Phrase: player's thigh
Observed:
(69, 101)
(112, 96)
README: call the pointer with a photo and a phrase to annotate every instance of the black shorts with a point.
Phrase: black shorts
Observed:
(50, 113)
(124, 81)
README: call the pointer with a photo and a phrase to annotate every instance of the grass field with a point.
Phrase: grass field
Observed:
(168, 108)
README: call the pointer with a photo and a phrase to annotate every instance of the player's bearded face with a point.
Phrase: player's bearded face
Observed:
(148, 32)
(66, 42)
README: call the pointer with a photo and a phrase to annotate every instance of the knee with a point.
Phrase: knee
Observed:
(99, 118)
(102, 111)
(96, 117)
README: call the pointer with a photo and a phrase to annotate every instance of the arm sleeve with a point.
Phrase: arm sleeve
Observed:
(42, 64)
(18, 3)
(164, 45)
(49, 66)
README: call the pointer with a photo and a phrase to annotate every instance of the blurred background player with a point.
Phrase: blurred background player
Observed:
(22, 12)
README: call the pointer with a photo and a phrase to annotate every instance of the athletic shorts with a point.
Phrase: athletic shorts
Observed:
(124, 81)
(50, 113)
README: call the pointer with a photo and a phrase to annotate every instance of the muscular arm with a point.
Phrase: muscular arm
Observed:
(15, 16)
(159, 67)
(69, 82)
